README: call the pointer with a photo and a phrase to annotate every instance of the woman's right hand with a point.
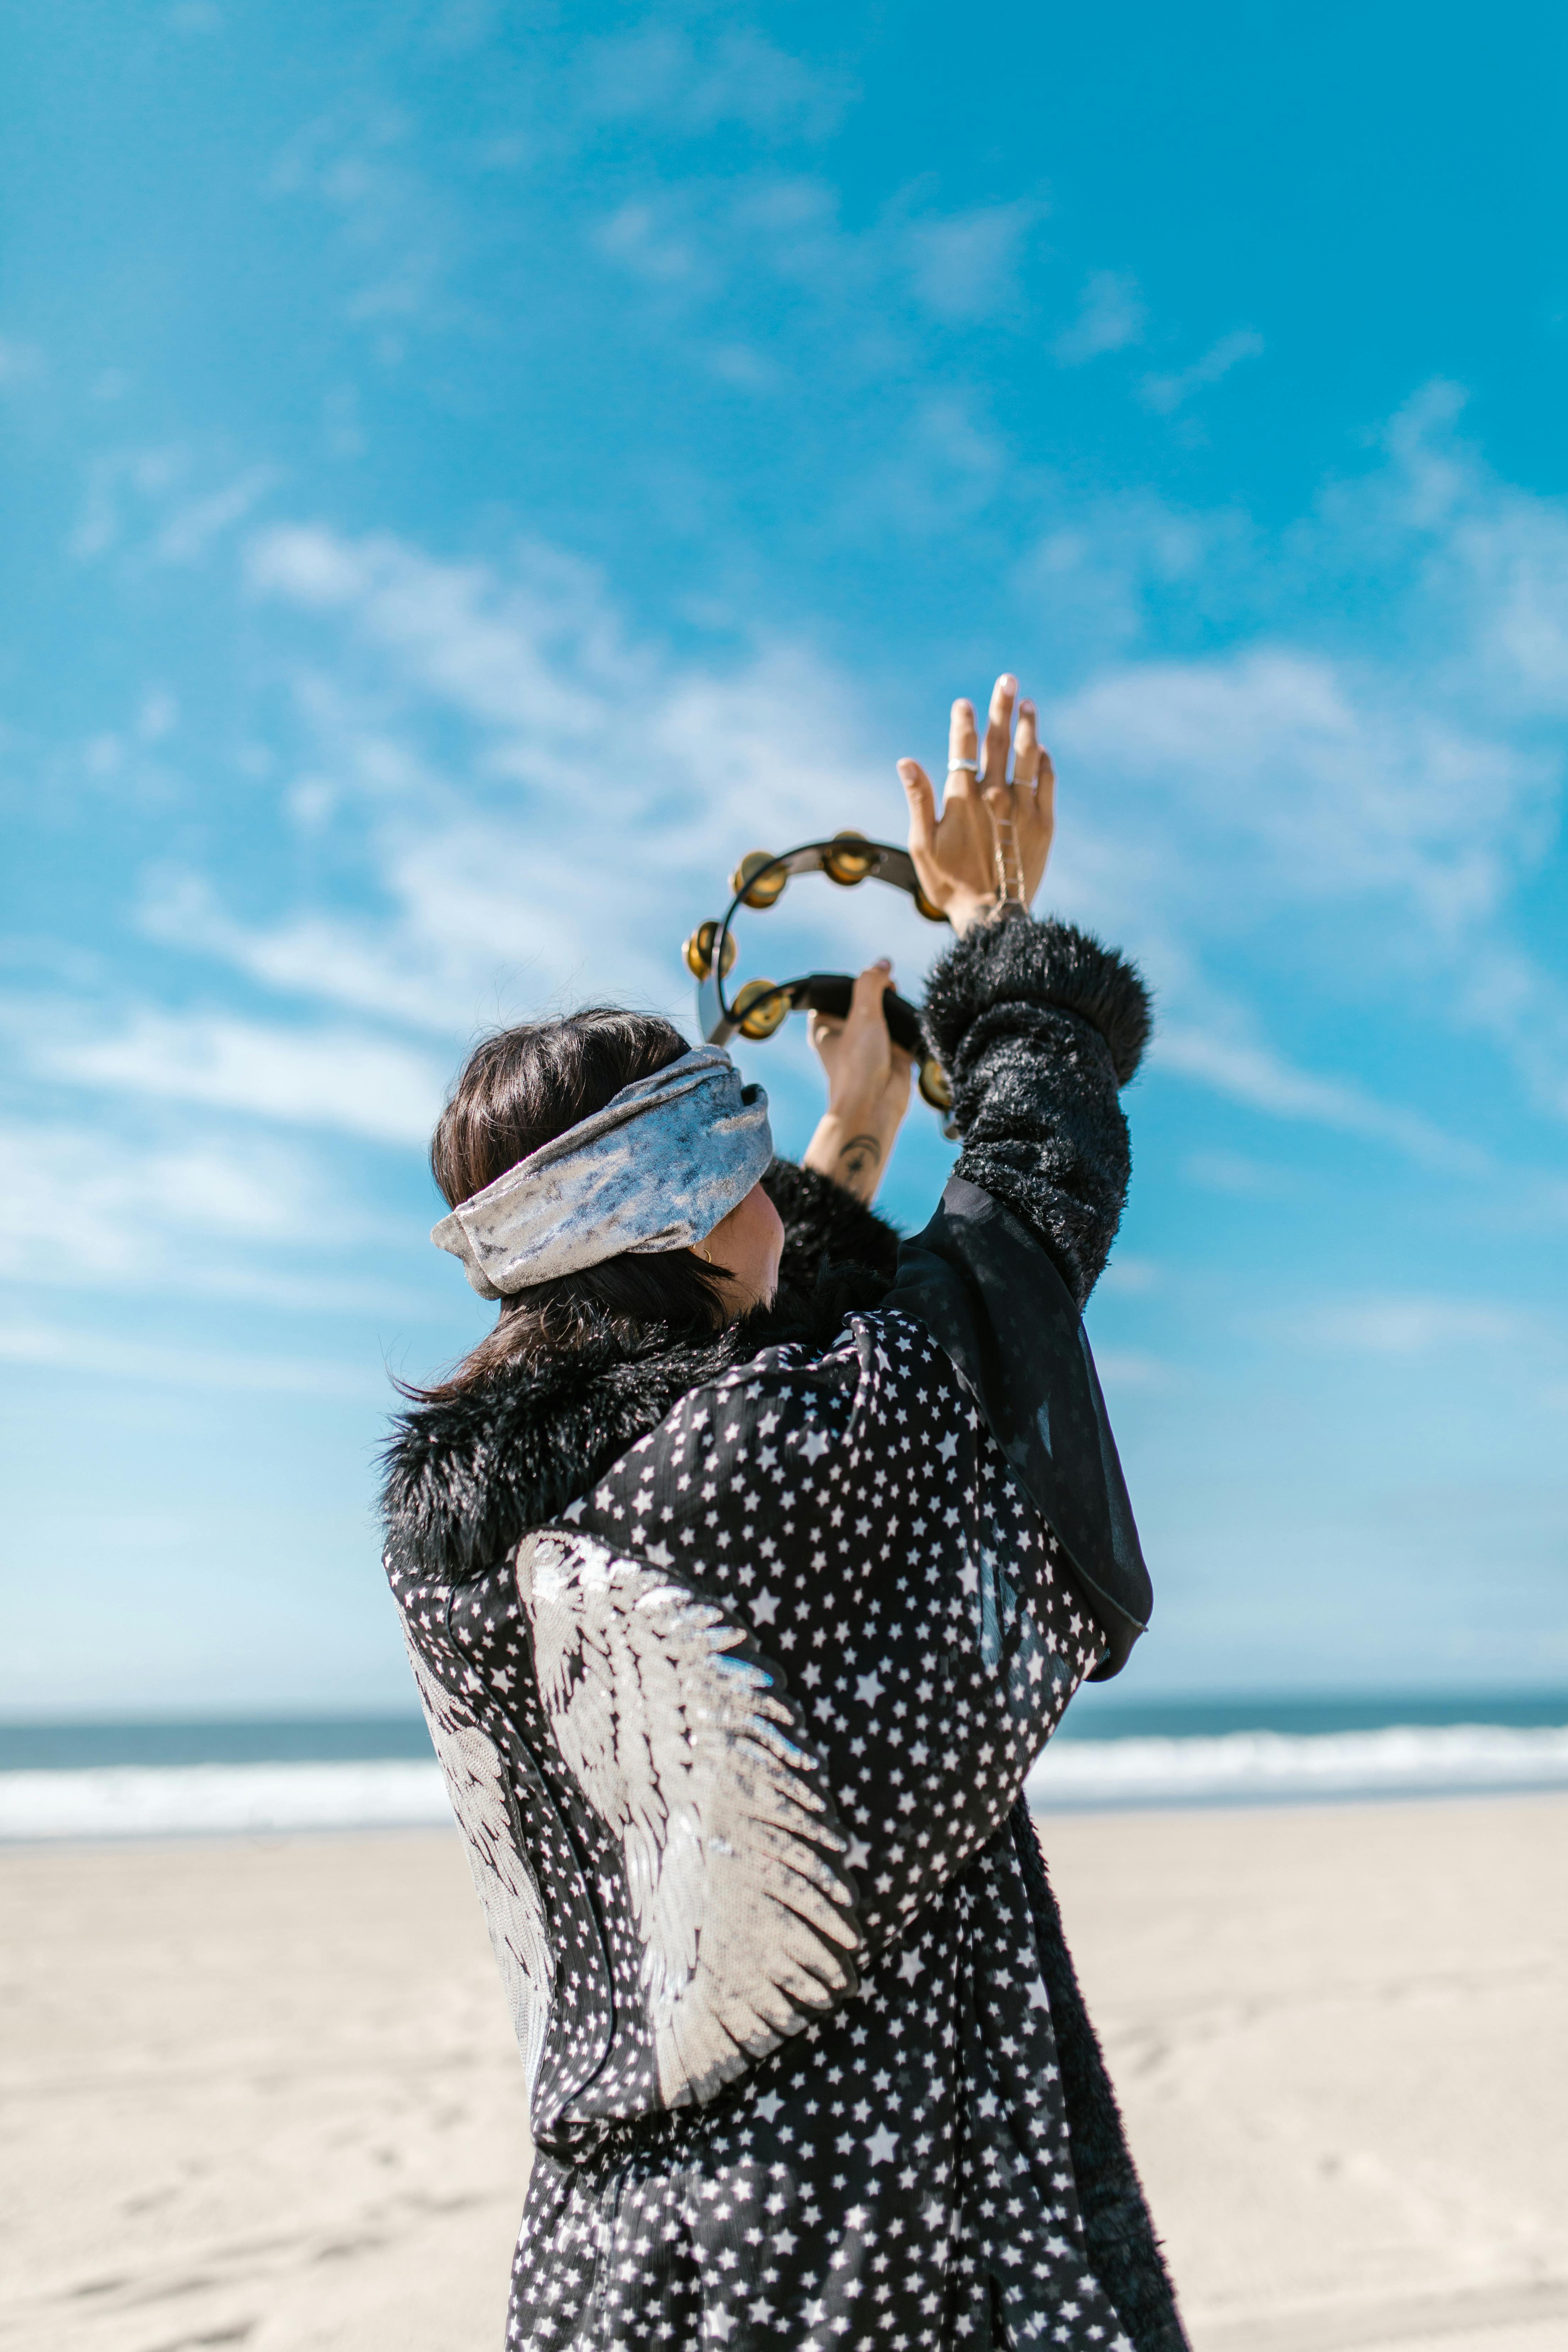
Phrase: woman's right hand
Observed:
(956, 853)
(868, 1088)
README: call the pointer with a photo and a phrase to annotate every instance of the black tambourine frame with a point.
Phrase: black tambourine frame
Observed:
(761, 1006)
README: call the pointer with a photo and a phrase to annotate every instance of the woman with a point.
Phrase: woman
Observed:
(745, 1567)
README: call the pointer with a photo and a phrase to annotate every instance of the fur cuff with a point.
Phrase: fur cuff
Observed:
(1017, 960)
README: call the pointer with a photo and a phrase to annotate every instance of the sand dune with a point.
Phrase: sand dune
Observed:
(263, 2094)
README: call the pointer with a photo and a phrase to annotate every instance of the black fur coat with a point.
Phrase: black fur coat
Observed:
(710, 1944)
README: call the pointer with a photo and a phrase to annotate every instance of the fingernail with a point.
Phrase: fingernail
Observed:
(1008, 683)
(1026, 709)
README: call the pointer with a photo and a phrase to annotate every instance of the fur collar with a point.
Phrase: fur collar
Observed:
(467, 1476)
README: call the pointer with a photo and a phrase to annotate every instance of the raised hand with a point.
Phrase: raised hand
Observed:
(868, 1088)
(993, 837)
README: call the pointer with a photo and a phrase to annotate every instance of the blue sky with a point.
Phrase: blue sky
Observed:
(473, 470)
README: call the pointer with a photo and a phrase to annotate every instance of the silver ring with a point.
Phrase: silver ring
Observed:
(970, 767)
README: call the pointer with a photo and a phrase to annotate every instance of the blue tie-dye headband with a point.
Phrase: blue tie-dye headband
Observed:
(655, 1170)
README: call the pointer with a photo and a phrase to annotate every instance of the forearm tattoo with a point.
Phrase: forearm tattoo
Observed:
(861, 1156)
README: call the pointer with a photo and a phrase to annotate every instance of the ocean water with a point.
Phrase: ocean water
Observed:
(237, 1776)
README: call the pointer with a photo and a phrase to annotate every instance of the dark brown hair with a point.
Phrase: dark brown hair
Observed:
(518, 1090)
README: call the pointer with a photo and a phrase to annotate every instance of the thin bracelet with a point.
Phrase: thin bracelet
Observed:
(1009, 865)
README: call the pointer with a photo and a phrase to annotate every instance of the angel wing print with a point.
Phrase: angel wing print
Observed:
(475, 1774)
(689, 1753)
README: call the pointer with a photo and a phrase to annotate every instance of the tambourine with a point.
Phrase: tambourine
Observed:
(761, 1006)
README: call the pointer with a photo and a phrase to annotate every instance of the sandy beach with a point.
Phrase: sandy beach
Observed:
(262, 2092)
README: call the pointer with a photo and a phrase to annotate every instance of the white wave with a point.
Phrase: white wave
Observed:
(219, 1800)
(1252, 1766)
(129, 1800)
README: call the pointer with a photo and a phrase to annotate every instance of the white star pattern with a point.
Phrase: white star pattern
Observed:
(897, 2171)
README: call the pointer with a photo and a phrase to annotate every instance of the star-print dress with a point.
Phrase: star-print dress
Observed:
(736, 1742)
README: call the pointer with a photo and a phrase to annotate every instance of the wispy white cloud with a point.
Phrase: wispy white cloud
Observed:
(1168, 392)
(743, 365)
(495, 892)
(539, 659)
(345, 1079)
(693, 77)
(1234, 1172)
(328, 959)
(167, 504)
(1110, 317)
(642, 239)
(83, 1205)
(408, 244)
(1344, 777)
(1130, 1277)
(207, 1211)
(872, 288)
(1307, 779)
(1516, 566)
(1096, 568)
(1420, 1325)
(100, 1354)
(947, 464)
(405, 234)
(1252, 1074)
(21, 362)
(1324, 783)
(158, 714)
(513, 653)
(114, 477)
(1496, 558)
(964, 265)
(399, 235)
(190, 531)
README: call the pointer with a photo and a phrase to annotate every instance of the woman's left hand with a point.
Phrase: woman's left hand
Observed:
(868, 1088)
(993, 838)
